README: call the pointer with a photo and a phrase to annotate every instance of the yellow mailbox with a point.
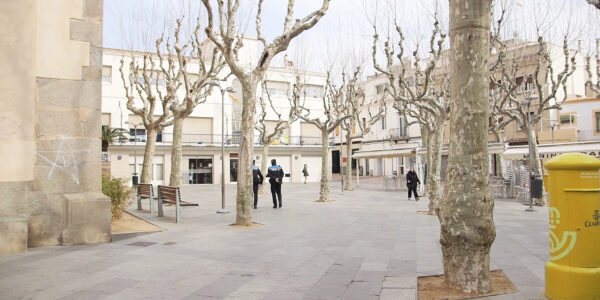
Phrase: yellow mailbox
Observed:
(573, 271)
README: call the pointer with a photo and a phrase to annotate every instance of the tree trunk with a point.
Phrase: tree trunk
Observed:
(324, 192)
(434, 167)
(534, 157)
(175, 178)
(148, 155)
(429, 140)
(245, 194)
(534, 154)
(425, 136)
(466, 219)
(263, 166)
(348, 183)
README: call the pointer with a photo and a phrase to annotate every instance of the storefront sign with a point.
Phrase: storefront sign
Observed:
(551, 155)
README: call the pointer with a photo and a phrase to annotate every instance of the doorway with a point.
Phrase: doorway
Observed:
(335, 161)
(200, 171)
(233, 169)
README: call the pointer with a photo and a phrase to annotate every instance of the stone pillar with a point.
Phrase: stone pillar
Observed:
(17, 109)
(50, 152)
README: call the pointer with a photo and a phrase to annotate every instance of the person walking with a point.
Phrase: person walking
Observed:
(305, 172)
(257, 179)
(411, 183)
(275, 174)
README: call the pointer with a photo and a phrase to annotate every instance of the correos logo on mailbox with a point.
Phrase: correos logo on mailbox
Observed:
(595, 222)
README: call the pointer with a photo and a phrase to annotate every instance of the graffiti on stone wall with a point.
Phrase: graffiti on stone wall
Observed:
(64, 159)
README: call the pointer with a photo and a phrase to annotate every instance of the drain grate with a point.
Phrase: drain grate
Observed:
(169, 243)
(142, 244)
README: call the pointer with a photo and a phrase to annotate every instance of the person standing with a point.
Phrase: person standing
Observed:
(275, 174)
(257, 179)
(411, 182)
(305, 172)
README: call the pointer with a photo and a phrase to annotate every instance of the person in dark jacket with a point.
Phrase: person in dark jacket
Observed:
(257, 179)
(275, 174)
(411, 182)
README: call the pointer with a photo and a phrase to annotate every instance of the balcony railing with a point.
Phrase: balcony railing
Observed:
(230, 139)
(398, 133)
(588, 135)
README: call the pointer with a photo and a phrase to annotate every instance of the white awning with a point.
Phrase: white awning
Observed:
(406, 150)
(548, 151)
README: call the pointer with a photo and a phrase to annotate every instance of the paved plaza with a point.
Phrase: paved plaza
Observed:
(369, 244)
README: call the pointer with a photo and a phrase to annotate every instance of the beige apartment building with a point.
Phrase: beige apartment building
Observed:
(392, 146)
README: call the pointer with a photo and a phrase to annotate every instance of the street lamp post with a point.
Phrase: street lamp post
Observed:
(223, 210)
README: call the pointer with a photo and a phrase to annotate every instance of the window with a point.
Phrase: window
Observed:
(380, 88)
(106, 74)
(519, 83)
(597, 117)
(567, 119)
(138, 134)
(161, 81)
(401, 125)
(277, 88)
(158, 172)
(383, 123)
(138, 80)
(529, 84)
(312, 91)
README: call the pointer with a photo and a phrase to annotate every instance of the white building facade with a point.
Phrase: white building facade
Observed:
(201, 162)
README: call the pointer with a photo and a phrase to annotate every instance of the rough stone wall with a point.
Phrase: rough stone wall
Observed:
(61, 202)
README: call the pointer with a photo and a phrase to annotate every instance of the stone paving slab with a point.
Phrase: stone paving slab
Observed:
(368, 244)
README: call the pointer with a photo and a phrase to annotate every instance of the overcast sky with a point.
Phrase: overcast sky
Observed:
(345, 34)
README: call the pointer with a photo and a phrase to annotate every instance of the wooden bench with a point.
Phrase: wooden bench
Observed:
(171, 195)
(143, 191)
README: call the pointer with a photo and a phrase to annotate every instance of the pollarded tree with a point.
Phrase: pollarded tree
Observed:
(269, 135)
(194, 82)
(355, 106)
(143, 78)
(420, 94)
(466, 210)
(595, 86)
(334, 107)
(229, 41)
(524, 99)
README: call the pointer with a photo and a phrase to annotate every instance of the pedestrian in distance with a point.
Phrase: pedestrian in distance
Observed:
(411, 183)
(305, 172)
(275, 174)
(257, 179)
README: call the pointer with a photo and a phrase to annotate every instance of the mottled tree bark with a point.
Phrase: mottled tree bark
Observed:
(148, 155)
(435, 167)
(245, 194)
(324, 192)
(175, 178)
(534, 154)
(466, 219)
